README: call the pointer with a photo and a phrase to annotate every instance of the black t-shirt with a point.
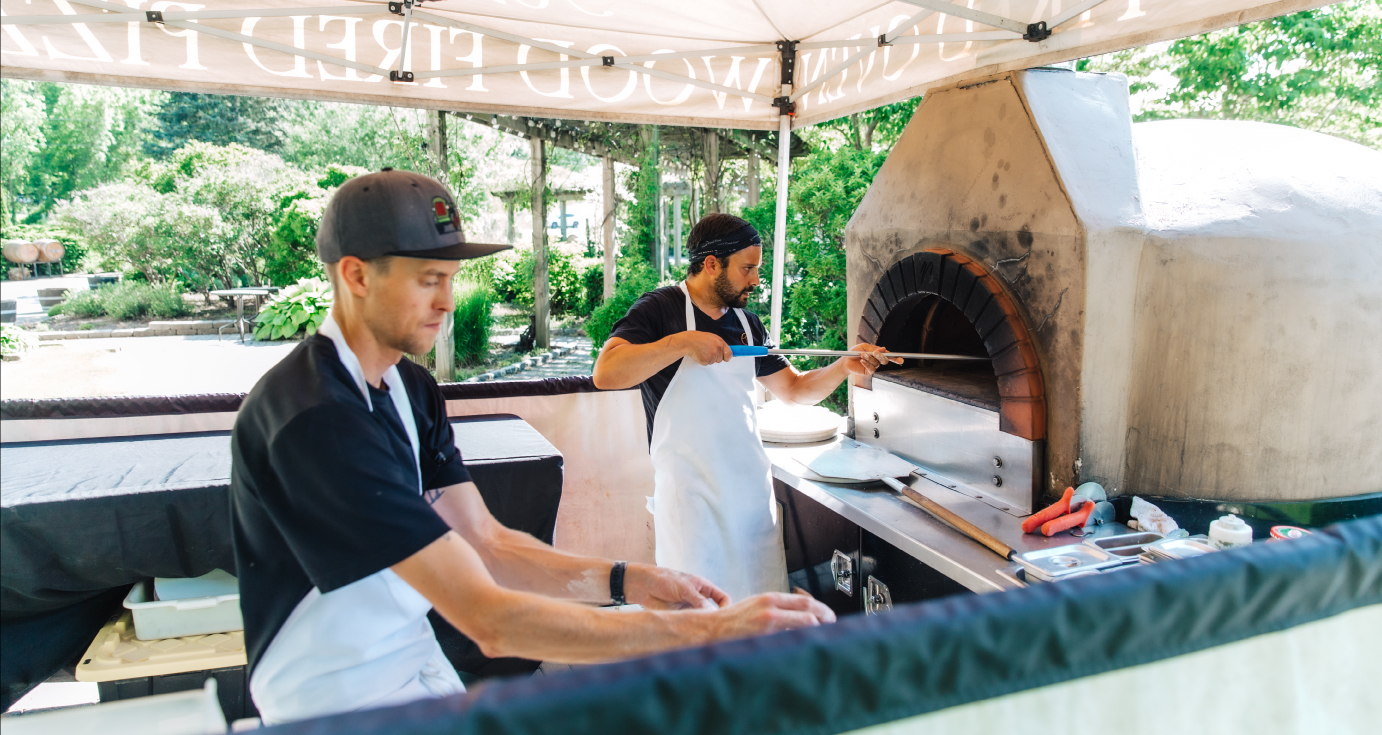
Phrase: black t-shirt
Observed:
(324, 491)
(660, 313)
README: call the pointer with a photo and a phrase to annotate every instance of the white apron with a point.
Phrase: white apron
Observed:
(365, 645)
(713, 506)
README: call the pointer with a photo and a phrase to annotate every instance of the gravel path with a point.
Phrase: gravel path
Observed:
(139, 367)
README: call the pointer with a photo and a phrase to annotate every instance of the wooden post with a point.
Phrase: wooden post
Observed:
(561, 211)
(751, 198)
(508, 210)
(608, 226)
(695, 213)
(676, 228)
(541, 298)
(712, 171)
(446, 338)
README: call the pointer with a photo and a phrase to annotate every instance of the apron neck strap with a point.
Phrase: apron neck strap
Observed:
(691, 315)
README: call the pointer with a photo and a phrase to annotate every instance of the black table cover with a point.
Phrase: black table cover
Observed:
(80, 518)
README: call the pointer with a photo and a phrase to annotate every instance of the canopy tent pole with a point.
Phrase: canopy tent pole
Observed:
(541, 297)
(787, 71)
(608, 226)
(784, 168)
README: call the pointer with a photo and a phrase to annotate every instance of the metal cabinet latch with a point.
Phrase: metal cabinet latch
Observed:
(842, 570)
(877, 599)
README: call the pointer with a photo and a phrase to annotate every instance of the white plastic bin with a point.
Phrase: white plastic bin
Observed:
(199, 606)
(195, 712)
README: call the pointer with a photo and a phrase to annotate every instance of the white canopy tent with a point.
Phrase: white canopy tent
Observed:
(749, 64)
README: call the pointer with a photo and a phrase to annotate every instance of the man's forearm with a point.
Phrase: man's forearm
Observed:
(520, 562)
(813, 386)
(625, 365)
(515, 559)
(549, 630)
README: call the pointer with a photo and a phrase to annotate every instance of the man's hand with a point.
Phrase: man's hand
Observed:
(657, 588)
(770, 612)
(868, 363)
(703, 347)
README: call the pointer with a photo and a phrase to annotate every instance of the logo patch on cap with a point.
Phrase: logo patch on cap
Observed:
(446, 215)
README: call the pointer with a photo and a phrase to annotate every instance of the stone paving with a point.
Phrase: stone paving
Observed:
(569, 356)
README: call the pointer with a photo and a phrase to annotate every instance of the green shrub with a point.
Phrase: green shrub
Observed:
(125, 300)
(634, 278)
(472, 322)
(81, 304)
(291, 254)
(513, 281)
(301, 307)
(14, 340)
(592, 288)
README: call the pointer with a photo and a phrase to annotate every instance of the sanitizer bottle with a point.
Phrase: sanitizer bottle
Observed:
(1230, 531)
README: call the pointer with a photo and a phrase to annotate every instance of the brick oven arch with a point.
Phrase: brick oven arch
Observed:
(969, 287)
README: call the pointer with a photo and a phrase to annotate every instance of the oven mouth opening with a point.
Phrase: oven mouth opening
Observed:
(941, 301)
(929, 323)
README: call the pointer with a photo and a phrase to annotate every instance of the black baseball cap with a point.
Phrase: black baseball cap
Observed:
(395, 213)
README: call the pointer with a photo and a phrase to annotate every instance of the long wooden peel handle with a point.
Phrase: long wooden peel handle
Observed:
(939, 511)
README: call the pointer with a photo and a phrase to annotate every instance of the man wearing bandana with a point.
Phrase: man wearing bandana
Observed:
(712, 503)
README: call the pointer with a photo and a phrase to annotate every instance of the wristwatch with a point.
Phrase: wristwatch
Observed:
(616, 582)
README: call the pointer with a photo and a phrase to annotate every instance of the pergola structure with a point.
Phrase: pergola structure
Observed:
(745, 65)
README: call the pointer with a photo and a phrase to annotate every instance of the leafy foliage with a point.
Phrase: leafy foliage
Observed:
(14, 341)
(125, 300)
(877, 128)
(217, 119)
(1317, 69)
(61, 138)
(513, 280)
(825, 189)
(633, 278)
(300, 308)
(472, 322)
(640, 215)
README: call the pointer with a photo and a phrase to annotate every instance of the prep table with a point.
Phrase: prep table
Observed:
(879, 534)
(81, 520)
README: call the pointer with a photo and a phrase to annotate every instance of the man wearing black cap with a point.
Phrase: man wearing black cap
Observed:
(712, 505)
(353, 514)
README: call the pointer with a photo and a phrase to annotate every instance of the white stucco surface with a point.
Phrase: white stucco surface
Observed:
(1209, 322)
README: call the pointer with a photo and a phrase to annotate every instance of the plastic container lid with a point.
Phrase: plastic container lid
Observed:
(1282, 533)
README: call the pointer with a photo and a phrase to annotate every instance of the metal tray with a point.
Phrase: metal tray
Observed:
(1126, 546)
(1063, 561)
(1181, 548)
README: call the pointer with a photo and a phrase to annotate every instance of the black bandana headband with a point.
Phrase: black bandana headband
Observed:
(727, 244)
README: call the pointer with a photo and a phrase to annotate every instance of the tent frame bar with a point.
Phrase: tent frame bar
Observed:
(574, 58)
(884, 40)
(978, 16)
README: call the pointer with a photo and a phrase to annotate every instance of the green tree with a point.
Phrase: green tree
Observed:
(824, 191)
(185, 117)
(879, 127)
(65, 138)
(1318, 69)
(132, 227)
(22, 110)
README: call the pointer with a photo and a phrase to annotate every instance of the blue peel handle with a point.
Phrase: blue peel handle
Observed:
(748, 350)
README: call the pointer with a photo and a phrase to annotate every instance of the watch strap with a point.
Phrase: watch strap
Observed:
(616, 582)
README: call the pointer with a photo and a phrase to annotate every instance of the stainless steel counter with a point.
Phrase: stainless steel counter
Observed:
(879, 510)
